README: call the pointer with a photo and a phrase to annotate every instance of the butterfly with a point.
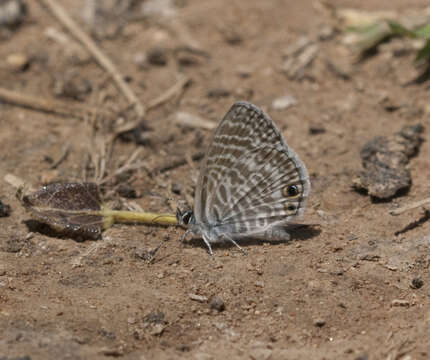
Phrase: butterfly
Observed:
(252, 185)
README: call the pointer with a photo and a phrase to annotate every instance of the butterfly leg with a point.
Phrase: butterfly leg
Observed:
(228, 238)
(208, 244)
(185, 235)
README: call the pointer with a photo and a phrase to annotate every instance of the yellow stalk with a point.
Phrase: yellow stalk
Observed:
(114, 216)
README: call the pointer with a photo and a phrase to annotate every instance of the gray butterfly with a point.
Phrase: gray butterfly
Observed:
(251, 185)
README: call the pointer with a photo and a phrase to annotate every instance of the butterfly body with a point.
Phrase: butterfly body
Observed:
(251, 185)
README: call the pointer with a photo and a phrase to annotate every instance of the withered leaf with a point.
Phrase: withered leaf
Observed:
(71, 208)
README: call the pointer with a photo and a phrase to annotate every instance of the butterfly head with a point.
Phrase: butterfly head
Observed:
(185, 217)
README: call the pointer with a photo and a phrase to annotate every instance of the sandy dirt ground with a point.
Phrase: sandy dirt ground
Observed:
(350, 287)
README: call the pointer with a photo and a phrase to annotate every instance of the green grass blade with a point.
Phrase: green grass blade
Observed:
(424, 53)
(398, 29)
(423, 32)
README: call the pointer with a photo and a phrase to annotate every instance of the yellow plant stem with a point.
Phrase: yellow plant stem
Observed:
(114, 216)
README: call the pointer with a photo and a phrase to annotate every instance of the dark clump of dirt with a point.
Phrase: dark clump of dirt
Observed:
(385, 162)
(4, 209)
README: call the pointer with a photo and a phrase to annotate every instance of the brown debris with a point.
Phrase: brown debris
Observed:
(17, 62)
(106, 63)
(48, 105)
(385, 162)
(172, 164)
(12, 12)
(157, 56)
(299, 58)
(4, 209)
(67, 208)
(71, 85)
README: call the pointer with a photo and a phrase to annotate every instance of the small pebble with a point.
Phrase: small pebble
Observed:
(198, 298)
(159, 8)
(155, 317)
(141, 61)
(12, 12)
(319, 323)
(259, 284)
(202, 356)
(218, 93)
(260, 354)
(157, 329)
(362, 357)
(244, 72)
(4, 209)
(217, 303)
(176, 188)
(232, 37)
(17, 62)
(157, 56)
(144, 254)
(187, 59)
(400, 302)
(316, 129)
(127, 191)
(72, 86)
(14, 244)
(283, 102)
(112, 352)
(416, 283)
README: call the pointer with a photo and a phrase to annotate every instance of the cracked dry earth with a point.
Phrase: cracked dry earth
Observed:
(347, 288)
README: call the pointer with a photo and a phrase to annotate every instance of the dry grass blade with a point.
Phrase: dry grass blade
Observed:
(410, 207)
(174, 91)
(95, 51)
(193, 121)
(129, 165)
(172, 164)
(50, 106)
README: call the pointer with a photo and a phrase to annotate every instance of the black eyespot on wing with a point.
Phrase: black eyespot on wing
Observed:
(291, 207)
(292, 190)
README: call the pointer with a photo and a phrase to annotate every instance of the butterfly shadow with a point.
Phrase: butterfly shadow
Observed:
(298, 232)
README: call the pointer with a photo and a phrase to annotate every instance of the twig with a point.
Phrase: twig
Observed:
(95, 51)
(62, 157)
(170, 165)
(128, 165)
(171, 92)
(409, 207)
(193, 121)
(415, 223)
(50, 106)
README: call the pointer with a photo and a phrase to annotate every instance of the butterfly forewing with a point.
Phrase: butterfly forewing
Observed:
(229, 142)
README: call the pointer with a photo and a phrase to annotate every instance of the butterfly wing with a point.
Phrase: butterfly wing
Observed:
(251, 180)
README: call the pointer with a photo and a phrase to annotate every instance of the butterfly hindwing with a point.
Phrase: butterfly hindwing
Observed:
(250, 179)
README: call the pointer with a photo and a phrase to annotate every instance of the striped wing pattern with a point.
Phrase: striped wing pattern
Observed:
(245, 182)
